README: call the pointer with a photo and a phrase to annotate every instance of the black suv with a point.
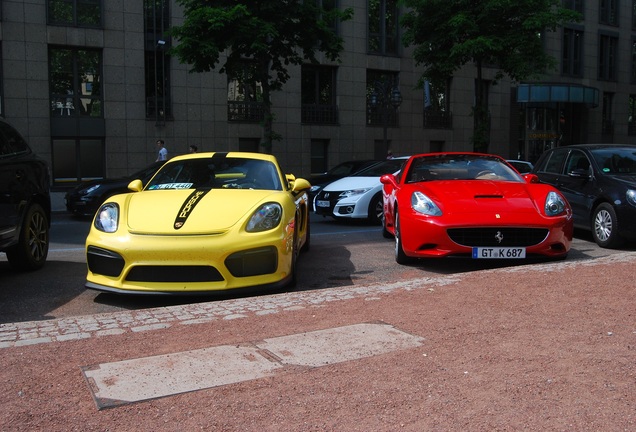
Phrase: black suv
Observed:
(25, 202)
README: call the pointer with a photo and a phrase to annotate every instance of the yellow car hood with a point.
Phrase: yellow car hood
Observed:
(189, 211)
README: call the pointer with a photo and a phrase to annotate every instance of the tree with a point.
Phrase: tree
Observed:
(505, 34)
(273, 35)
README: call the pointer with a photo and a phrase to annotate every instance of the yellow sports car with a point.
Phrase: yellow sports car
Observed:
(204, 222)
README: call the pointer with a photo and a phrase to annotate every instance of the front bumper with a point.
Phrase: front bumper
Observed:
(187, 264)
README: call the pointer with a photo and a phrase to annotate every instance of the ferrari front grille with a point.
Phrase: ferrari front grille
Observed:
(493, 236)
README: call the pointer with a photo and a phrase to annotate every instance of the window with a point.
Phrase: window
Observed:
(77, 160)
(157, 61)
(553, 162)
(383, 27)
(607, 60)
(329, 6)
(75, 82)
(381, 108)
(319, 151)
(78, 13)
(318, 95)
(576, 5)
(572, 55)
(633, 69)
(436, 110)
(245, 95)
(608, 13)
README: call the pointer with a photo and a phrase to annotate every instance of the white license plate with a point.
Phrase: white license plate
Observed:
(499, 252)
(320, 203)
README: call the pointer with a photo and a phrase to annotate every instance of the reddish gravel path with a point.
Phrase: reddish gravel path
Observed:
(544, 347)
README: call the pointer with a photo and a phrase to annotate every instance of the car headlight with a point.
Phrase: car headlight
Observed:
(631, 197)
(423, 204)
(107, 218)
(89, 190)
(267, 217)
(554, 204)
(314, 188)
(353, 192)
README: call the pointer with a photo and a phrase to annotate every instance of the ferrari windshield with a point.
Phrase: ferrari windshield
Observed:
(217, 173)
(460, 167)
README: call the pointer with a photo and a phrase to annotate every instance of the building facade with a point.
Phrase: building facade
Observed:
(91, 86)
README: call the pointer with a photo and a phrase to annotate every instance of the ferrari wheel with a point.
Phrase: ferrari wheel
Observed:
(605, 226)
(400, 256)
(376, 209)
(33, 246)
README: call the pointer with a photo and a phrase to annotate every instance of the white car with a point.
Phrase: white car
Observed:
(358, 196)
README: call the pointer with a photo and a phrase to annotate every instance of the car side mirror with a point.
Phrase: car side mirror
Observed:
(531, 178)
(135, 185)
(388, 179)
(579, 173)
(300, 184)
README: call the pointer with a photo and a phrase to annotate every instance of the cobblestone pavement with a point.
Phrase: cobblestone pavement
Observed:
(83, 327)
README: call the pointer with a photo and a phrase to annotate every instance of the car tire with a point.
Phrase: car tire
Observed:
(605, 226)
(376, 209)
(33, 245)
(400, 256)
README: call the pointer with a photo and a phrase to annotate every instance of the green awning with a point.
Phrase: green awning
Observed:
(569, 93)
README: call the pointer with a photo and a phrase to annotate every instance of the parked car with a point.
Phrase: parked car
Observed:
(524, 167)
(599, 181)
(344, 169)
(85, 198)
(25, 202)
(473, 205)
(204, 222)
(358, 196)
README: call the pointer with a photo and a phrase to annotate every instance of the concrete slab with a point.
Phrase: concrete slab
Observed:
(134, 380)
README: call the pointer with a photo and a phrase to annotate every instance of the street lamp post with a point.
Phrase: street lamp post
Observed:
(386, 97)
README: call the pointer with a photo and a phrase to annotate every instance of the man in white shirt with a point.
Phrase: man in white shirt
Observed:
(163, 152)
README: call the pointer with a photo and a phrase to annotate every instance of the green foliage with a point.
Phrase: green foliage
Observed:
(505, 34)
(274, 34)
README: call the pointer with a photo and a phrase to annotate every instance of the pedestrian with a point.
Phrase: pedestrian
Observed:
(162, 155)
(389, 154)
(193, 148)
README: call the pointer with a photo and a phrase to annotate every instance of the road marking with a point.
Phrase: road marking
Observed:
(119, 383)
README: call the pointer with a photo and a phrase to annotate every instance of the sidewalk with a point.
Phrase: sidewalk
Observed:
(541, 347)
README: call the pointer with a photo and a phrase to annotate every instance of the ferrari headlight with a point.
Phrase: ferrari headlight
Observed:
(554, 204)
(423, 204)
(631, 197)
(107, 218)
(353, 192)
(267, 217)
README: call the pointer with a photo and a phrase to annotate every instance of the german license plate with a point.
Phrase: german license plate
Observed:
(321, 203)
(499, 252)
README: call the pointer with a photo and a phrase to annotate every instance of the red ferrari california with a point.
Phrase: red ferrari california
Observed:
(475, 205)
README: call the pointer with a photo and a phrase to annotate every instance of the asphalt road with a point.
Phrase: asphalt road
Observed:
(341, 254)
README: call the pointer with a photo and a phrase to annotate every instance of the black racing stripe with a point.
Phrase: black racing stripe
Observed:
(188, 206)
(219, 156)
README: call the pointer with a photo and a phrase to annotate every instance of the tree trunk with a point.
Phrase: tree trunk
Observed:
(481, 125)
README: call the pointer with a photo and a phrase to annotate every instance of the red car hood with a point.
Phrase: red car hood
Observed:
(479, 196)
